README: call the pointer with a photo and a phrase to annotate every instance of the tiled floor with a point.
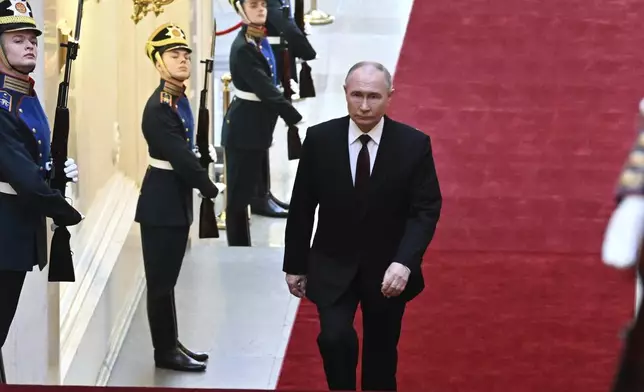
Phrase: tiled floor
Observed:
(233, 302)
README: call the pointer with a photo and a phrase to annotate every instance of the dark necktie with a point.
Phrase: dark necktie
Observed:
(363, 168)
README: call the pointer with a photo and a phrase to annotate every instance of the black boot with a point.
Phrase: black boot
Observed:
(167, 354)
(237, 229)
(264, 203)
(197, 356)
(175, 359)
(3, 376)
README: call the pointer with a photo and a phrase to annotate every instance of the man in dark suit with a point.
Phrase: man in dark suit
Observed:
(379, 202)
(622, 248)
(165, 205)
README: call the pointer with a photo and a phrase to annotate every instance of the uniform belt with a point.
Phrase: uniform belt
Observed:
(247, 96)
(159, 164)
(7, 189)
(274, 40)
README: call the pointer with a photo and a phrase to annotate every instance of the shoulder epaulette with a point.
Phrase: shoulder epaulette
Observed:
(5, 100)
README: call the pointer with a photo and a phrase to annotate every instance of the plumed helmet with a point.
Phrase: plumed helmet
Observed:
(17, 15)
(166, 37)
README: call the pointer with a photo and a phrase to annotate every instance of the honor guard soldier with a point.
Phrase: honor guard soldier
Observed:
(298, 45)
(622, 248)
(165, 206)
(264, 202)
(25, 196)
(248, 127)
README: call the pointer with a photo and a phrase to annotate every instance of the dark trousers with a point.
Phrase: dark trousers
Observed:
(243, 172)
(630, 373)
(11, 283)
(338, 340)
(263, 183)
(163, 252)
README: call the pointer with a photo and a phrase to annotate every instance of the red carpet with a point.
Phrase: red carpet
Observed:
(531, 106)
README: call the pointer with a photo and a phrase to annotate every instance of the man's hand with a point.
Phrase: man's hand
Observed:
(624, 233)
(395, 280)
(71, 170)
(296, 285)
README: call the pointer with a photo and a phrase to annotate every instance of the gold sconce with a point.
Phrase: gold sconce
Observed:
(63, 34)
(142, 7)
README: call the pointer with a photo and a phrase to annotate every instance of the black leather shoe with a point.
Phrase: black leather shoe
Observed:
(197, 356)
(267, 207)
(280, 203)
(3, 377)
(175, 359)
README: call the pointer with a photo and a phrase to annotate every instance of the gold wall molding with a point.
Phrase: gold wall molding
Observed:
(143, 7)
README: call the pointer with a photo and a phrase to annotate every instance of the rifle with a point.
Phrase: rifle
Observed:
(61, 265)
(307, 88)
(294, 143)
(207, 219)
(286, 57)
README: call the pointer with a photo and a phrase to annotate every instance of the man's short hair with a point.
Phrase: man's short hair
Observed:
(374, 64)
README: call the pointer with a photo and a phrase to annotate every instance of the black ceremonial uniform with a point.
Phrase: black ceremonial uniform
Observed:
(264, 202)
(25, 196)
(248, 128)
(165, 205)
(298, 45)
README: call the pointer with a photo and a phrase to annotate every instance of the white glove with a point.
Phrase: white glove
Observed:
(212, 152)
(197, 153)
(221, 186)
(624, 233)
(55, 226)
(295, 87)
(307, 28)
(71, 170)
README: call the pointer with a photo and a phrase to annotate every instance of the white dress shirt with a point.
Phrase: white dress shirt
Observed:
(355, 145)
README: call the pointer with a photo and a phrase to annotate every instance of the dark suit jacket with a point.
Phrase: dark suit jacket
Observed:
(396, 223)
(166, 195)
(249, 125)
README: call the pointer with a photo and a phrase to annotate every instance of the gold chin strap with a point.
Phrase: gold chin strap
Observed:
(164, 70)
(5, 61)
(165, 74)
(240, 11)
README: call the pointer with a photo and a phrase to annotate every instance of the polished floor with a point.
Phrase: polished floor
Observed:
(233, 302)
